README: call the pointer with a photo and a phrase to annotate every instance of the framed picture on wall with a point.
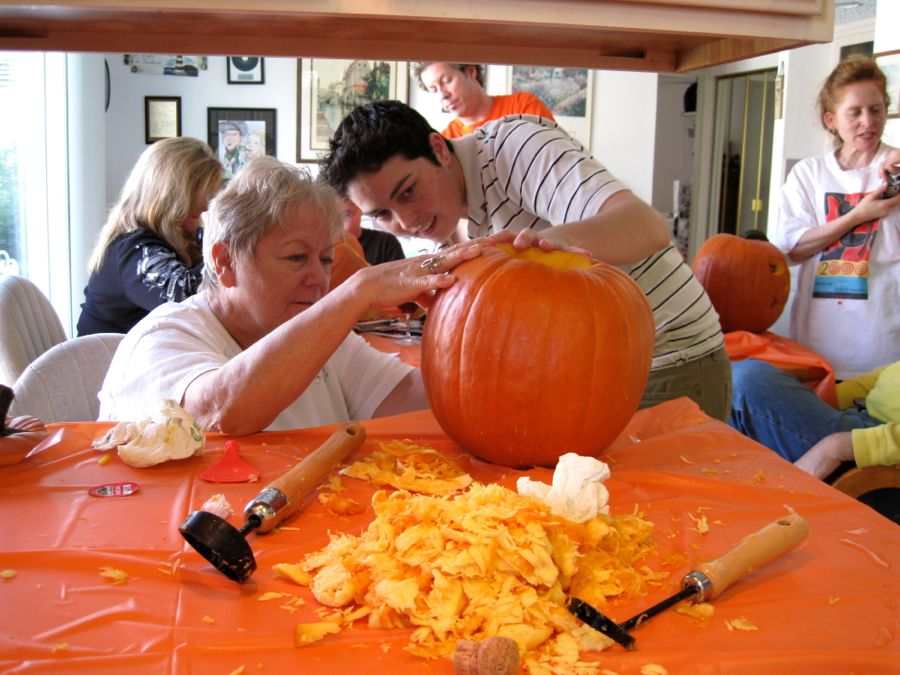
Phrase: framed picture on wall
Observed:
(246, 70)
(166, 64)
(568, 92)
(162, 117)
(237, 135)
(889, 62)
(328, 89)
(858, 49)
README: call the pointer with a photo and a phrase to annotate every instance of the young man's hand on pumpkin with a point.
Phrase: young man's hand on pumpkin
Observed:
(545, 240)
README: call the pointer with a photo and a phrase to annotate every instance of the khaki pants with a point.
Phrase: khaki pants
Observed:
(706, 381)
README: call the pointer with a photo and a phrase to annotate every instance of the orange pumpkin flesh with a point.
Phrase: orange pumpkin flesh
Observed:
(533, 354)
(747, 281)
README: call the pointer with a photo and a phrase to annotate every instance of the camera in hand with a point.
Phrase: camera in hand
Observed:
(893, 188)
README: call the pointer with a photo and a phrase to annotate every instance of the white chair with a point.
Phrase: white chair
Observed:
(29, 326)
(62, 384)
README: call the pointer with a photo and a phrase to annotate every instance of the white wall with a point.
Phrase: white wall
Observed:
(623, 131)
(86, 162)
(887, 38)
(622, 135)
(673, 156)
(125, 117)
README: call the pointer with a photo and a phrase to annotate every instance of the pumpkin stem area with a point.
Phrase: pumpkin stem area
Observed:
(558, 260)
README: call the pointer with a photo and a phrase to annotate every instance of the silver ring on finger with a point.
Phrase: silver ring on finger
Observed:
(431, 264)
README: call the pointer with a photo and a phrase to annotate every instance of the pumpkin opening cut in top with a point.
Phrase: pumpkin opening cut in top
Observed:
(559, 260)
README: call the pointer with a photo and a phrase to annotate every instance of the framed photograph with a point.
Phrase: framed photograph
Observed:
(166, 64)
(246, 70)
(237, 135)
(328, 89)
(568, 92)
(889, 62)
(858, 49)
(162, 117)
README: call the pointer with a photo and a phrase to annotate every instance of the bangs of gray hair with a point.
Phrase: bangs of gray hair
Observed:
(265, 194)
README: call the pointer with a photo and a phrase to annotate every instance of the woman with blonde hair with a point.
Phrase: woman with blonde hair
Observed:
(149, 250)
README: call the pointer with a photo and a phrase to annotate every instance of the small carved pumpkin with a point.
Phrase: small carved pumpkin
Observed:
(747, 280)
(532, 354)
(18, 435)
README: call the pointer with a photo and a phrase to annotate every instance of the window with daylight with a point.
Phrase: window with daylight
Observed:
(33, 192)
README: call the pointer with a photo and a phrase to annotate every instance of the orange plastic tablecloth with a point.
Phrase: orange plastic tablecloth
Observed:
(808, 366)
(829, 606)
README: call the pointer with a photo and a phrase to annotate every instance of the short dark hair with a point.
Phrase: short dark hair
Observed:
(371, 135)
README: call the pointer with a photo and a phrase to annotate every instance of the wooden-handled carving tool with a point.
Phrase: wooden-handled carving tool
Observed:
(226, 547)
(710, 579)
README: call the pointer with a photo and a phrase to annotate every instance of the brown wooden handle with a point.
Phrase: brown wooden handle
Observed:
(754, 551)
(309, 472)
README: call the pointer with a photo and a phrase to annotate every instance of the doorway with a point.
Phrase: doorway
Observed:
(742, 148)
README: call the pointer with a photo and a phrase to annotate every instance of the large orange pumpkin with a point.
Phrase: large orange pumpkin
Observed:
(533, 354)
(747, 281)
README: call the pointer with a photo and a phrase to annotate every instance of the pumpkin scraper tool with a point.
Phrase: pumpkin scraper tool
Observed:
(226, 547)
(710, 579)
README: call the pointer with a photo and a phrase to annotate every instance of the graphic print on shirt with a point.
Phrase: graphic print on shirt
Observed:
(160, 268)
(843, 270)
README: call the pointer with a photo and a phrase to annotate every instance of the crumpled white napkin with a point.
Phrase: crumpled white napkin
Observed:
(170, 434)
(577, 492)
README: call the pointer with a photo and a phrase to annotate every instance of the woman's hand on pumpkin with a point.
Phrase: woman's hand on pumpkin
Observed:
(545, 240)
(415, 279)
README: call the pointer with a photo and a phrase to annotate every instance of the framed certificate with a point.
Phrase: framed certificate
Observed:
(162, 117)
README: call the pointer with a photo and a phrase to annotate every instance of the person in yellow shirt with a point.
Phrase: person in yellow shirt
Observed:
(461, 87)
(775, 409)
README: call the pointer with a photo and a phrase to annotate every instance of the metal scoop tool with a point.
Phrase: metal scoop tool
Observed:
(710, 579)
(226, 547)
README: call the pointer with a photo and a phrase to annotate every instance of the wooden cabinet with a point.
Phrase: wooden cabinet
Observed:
(659, 35)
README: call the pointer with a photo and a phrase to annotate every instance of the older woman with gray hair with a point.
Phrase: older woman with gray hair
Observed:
(264, 345)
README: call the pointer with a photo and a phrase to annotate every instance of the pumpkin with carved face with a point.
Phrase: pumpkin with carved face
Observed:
(747, 280)
(532, 354)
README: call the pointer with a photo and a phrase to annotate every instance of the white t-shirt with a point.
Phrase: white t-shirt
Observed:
(177, 342)
(847, 298)
(524, 172)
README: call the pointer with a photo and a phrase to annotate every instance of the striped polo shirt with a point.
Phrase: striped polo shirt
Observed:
(525, 172)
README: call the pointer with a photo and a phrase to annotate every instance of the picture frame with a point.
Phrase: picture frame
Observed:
(237, 135)
(857, 49)
(328, 89)
(166, 64)
(162, 118)
(889, 62)
(568, 92)
(246, 70)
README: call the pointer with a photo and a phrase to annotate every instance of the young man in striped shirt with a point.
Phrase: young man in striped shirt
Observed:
(526, 176)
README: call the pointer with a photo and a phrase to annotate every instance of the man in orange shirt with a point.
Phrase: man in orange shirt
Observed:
(461, 86)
